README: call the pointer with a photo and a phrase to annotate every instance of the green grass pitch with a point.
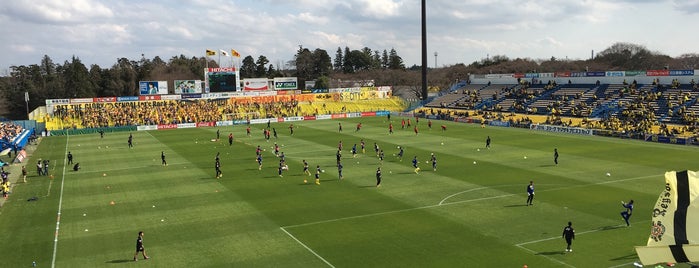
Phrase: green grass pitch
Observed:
(462, 215)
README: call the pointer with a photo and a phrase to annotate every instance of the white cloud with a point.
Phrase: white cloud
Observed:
(51, 11)
(461, 31)
(307, 17)
(22, 48)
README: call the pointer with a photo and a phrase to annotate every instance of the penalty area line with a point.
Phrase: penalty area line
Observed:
(307, 248)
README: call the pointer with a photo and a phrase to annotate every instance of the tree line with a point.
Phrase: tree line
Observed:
(73, 79)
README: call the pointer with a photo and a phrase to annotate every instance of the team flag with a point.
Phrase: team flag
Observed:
(210, 52)
(674, 236)
(223, 53)
(235, 53)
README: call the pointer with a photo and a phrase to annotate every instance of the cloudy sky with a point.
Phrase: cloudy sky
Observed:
(100, 31)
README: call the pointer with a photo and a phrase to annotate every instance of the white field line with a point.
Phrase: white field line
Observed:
(622, 265)
(560, 188)
(547, 257)
(60, 205)
(307, 248)
(441, 203)
(521, 245)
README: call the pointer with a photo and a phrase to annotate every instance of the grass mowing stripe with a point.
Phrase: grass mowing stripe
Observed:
(309, 249)
(545, 256)
(60, 203)
(459, 202)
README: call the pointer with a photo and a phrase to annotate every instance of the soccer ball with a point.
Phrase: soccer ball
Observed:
(104, 174)
(322, 170)
(474, 162)
(525, 157)
(442, 143)
(478, 150)
(305, 181)
(608, 174)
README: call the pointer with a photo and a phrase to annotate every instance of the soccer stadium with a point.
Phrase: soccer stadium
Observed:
(181, 169)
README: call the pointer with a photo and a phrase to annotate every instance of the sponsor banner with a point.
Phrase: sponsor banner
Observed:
(104, 99)
(499, 123)
(240, 122)
(388, 88)
(327, 97)
(170, 97)
(344, 89)
(266, 93)
(148, 127)
(323, 116)
(561, 129)
(255, 84)
(21, 155)
(681, 72)
(81, 100)
(285, 83)
(152, 87)
(293, 118)
(614, 73)
(666, 139)
(168, 126)
(382, 113)
(410, 114)
(498, 76)
(336, 116)
(259, 121)
(366, 114)
(320, 90)
(578, 74)
(191, 96)
(149, 97)
(657, 73)
(232, 94)
(224, 123)
(464, 120)
(57, 101)
(187, 125)
(562, 74)
(595, 74)
(518, 75)
(288, 92)
(220, 70)
(206, 124)
(187, 86)
(531, 75)
(545, 75)
(127, 98)
(310, 84)
(635, 73)
(309, 118)
(305, 91)
(352, 115)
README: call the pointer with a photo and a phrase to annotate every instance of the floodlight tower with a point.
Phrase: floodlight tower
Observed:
(424, 53)
(435, 59)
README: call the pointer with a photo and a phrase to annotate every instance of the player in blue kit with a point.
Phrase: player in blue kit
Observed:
(415, 162)
(626, 214)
